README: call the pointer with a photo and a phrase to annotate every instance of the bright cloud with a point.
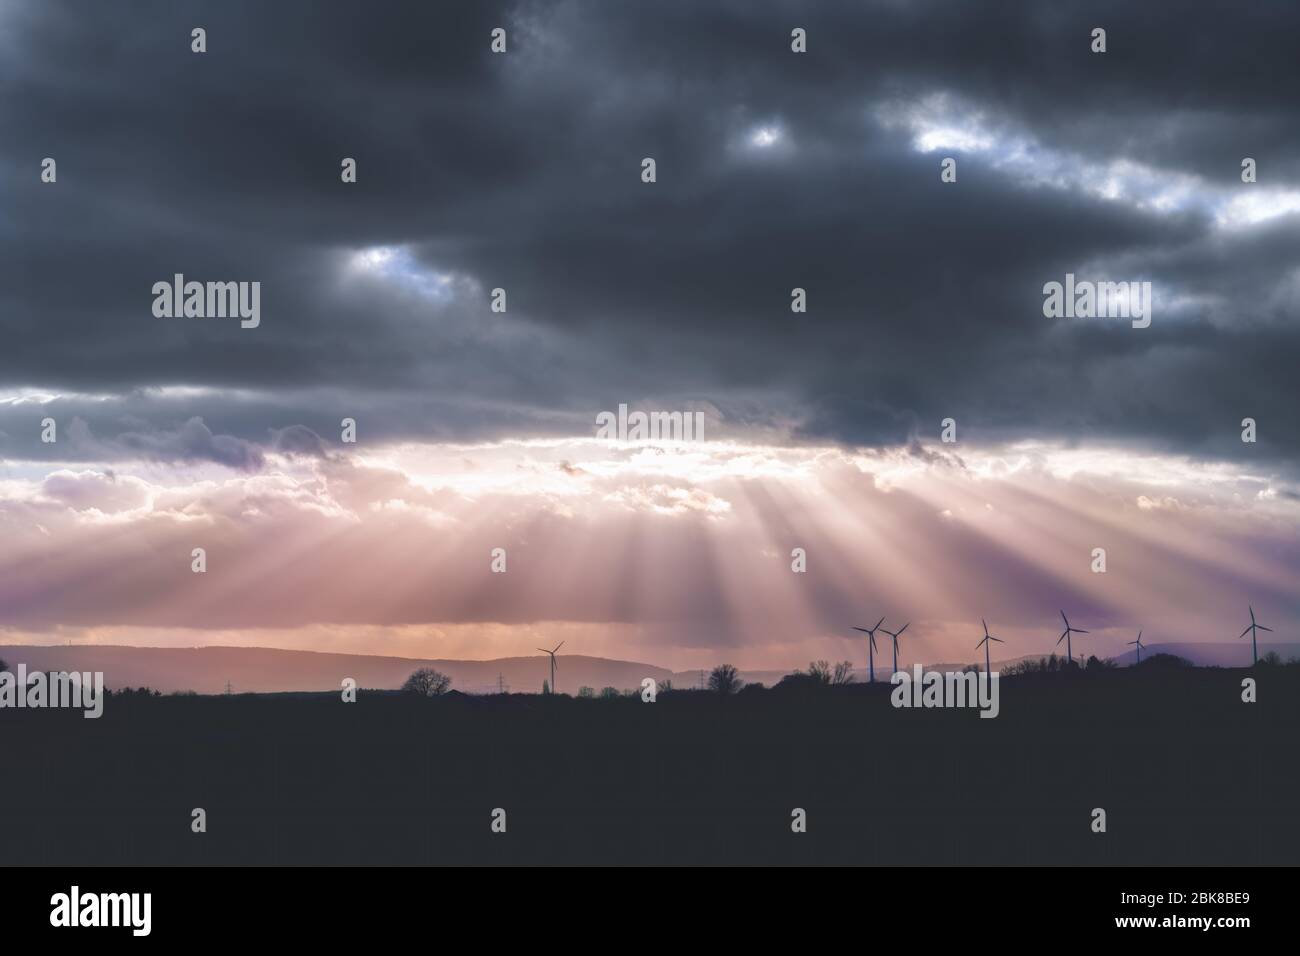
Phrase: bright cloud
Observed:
(942, 121)
(685, 552)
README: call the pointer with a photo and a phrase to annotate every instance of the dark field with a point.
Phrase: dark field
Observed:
(1188, 775)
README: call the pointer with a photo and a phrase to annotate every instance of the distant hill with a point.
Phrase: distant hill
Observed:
(261, 670)
(1224, 654)
(265, 670)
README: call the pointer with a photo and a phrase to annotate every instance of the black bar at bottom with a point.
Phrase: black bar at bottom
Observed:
(333, 905)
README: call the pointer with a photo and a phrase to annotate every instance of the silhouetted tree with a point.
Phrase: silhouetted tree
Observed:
(546, 687)
(1032, 665)
(801, 682)
(608, 692)
(126, 692)
(724, 679)
(821, 674)
(3, 665)
(427, 682)
(586, 691)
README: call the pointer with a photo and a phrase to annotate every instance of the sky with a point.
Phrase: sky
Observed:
(522, 171)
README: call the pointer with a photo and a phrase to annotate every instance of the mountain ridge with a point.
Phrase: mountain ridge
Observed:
(208, 668)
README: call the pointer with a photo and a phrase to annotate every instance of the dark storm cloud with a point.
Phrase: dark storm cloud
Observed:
(522, 171)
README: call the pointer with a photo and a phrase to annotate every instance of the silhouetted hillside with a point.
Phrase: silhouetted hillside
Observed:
(1187, 773)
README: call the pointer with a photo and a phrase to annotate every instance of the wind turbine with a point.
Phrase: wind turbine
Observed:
(1254, 653)
(871, 646)
(552, 653)
(1065, 636)
(1138, 642)
(894, 635)
(987, 637)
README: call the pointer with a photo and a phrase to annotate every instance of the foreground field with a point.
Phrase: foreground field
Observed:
(1186, 772)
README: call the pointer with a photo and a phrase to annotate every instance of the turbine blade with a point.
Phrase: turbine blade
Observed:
(1263, 628)
(559, 645)
(1078, 630)
(1059, 639)
(1252, 614)
(998, 639)
(878, 623)
(1065, 619)
(1243, 633)
(902, 629)
(862, 629)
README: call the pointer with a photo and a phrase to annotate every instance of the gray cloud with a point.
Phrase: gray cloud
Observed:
(191, 442)
(521, 171)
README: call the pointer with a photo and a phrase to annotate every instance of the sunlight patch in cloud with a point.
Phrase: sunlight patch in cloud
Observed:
(33, 396)
(941, 121)
(397, 265)
(766, 136)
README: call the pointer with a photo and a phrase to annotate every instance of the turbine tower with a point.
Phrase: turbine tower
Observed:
(1254, 650)
(988, 670)
(1065, 636)
(552, 653)
(1138, 642)
(894, 635)
(871, 647)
